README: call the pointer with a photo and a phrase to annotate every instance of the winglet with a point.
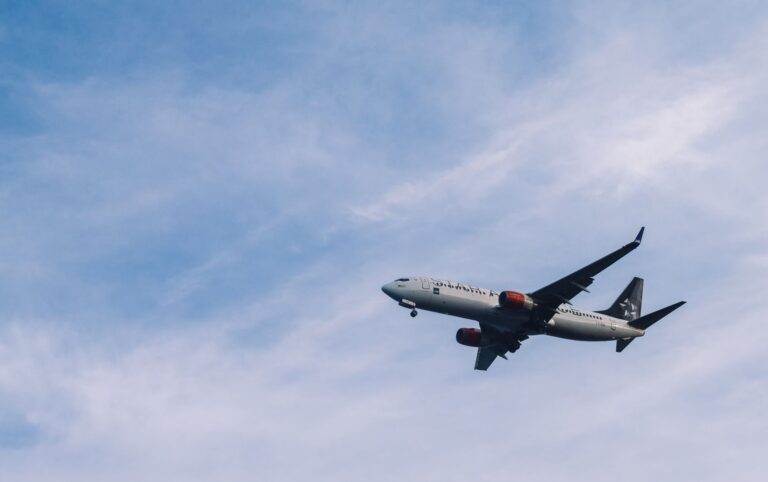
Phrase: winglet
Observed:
(639, 236)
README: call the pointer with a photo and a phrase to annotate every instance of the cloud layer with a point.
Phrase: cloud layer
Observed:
(194, 239)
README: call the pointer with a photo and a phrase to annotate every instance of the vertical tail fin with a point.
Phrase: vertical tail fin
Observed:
(629, 303)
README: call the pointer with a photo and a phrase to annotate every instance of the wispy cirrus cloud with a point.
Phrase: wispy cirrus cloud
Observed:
(192, 261)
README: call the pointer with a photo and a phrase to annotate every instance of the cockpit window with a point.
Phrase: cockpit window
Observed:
(402, 279)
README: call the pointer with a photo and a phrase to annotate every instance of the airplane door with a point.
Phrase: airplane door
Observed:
(424, 283)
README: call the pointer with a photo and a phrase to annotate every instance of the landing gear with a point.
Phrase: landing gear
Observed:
(409, 304)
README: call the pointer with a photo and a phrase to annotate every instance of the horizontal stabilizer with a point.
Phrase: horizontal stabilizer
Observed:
(622, 343)
(644, 322)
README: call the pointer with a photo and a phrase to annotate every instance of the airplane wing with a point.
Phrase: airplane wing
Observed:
(563, 290)
(485, 356)
(498, 345)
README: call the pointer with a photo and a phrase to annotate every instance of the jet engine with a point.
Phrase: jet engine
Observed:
(468, 336)
(512, 300)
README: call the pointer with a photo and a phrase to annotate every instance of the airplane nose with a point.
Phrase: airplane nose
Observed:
(389, 290)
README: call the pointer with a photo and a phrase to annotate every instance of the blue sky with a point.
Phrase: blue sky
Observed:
(199, 203)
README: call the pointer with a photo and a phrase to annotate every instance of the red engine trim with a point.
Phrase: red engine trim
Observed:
(469, 336)
(512, 300)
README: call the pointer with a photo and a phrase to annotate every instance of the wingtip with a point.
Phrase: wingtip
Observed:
(639, 236)
(675, 306)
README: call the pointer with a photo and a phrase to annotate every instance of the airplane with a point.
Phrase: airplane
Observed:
(507, 318)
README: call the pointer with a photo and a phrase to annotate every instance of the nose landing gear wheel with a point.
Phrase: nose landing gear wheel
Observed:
(414, 313)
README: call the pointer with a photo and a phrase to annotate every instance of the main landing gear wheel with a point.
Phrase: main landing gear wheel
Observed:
(414, 313)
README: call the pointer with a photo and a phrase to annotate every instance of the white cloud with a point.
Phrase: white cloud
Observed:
(322, 377)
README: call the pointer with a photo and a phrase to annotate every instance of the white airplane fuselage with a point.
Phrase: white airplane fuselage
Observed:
(482, 305)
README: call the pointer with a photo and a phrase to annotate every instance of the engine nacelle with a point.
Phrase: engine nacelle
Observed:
(469, 336)
(512, 300)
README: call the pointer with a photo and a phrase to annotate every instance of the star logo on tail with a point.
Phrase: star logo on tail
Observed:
(630, 310)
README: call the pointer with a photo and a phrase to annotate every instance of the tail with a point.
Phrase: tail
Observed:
(627, 306)
(645, 322)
